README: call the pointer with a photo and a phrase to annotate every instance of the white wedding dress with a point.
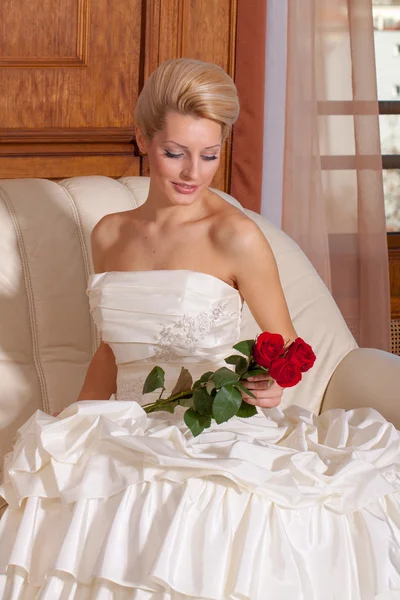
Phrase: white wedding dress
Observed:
(106, 503)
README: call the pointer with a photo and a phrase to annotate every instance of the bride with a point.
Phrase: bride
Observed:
(108, 503)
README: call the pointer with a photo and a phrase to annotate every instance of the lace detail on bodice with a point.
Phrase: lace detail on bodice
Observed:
(130, 388)
(187, 331)
(166, 318)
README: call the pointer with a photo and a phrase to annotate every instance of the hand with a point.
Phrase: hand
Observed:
(268, 392)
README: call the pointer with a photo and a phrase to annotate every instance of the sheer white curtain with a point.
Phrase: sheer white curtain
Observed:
(274, 111)
(322, 179)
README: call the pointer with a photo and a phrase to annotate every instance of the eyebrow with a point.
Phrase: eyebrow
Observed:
(186, 148)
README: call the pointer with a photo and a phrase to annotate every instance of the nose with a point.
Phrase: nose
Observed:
(190, 169)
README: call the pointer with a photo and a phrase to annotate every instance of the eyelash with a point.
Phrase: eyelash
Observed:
(171, 155)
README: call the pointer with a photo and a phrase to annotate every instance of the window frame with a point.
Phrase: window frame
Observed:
(391, 161)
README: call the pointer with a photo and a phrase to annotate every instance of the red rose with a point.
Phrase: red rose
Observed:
(302, 354)
(285, 372)
(267, 347)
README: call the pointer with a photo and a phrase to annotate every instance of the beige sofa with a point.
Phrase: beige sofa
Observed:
(47, 337)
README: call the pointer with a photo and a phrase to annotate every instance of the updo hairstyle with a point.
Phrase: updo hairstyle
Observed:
(189, 87)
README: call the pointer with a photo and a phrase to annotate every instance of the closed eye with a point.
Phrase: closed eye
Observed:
(171, 155)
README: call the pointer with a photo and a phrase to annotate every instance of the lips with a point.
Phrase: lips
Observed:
(184, 188)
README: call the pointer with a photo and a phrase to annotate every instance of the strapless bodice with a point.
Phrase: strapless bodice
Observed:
(168, 318)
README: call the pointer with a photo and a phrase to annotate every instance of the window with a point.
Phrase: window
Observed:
(387, 55)
(386, 15)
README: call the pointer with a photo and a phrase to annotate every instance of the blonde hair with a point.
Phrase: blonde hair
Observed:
(190, 87)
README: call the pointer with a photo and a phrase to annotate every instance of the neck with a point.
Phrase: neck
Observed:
(158, 209)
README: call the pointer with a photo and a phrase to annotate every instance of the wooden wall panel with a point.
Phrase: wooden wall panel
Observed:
(101, 93)
(78, 81)
(19, 47)
(201, 29)
(248, 142)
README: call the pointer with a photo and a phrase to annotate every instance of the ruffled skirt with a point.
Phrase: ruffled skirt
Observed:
(106, 503)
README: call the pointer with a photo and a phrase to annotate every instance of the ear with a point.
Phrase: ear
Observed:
(141, 140)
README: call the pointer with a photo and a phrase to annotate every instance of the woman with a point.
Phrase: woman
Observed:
(108, 503)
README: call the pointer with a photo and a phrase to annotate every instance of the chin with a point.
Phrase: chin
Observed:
(186, 199)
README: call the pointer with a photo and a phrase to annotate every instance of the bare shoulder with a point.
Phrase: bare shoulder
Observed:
(235, 234)
(105, 231)
(104, 235)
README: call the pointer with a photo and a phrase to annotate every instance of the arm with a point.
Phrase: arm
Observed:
(101, 377)
(256, 274)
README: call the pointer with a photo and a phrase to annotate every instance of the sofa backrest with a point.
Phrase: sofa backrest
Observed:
(47, 337)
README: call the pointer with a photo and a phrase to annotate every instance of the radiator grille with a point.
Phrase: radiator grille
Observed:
(395, 336)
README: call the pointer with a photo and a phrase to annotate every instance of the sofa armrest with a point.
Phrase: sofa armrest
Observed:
(366, 378)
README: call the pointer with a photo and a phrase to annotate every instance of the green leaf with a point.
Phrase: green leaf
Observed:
(241, 363)
(196, 423)
(256, 367)
(233, 359)
(246, 410)
(245, 347)
(203, 402)
(226, 403)
(210, 386)
(224, 376)
(184, 382)
(244, 389)
(241, 366)
(253, 372)
(186, 402)
(203, 379)
(154, 380)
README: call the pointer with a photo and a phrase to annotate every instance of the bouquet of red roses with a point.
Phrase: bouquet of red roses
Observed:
(217, 395)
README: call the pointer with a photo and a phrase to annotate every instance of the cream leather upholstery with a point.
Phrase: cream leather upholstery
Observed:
(366, 377)
(47, 337)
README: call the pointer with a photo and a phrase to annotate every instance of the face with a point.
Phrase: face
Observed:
(183, 157)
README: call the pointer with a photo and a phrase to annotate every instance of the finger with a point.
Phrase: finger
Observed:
(269, 402)
(259, 377)
(271, 393)
(261, 385)
(263, 397)
(265, 392)
(259, 397)
(263, 402)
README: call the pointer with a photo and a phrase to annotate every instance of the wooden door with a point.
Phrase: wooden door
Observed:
(69, 79)
(71, 71)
